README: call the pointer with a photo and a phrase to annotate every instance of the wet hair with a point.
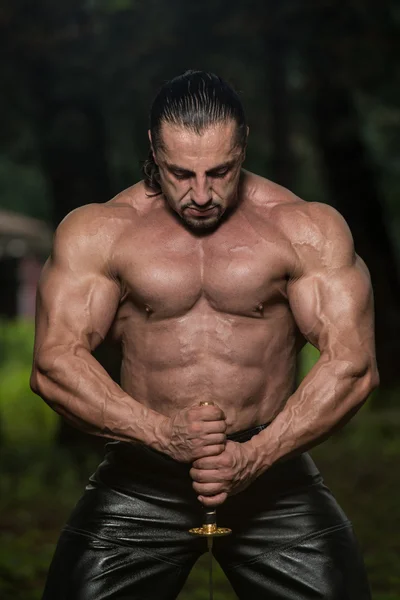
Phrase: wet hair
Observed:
(194, 100)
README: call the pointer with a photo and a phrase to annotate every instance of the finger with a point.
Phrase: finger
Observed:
(211, 413)
(208, 462)
(208, 451)
(215, 426)
(204, 430)
(214, 439)
(213, 500)
(202, 476)
(209, 489)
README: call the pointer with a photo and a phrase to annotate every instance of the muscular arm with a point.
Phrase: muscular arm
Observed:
(77, 300)
(331, 300)
(76, 304)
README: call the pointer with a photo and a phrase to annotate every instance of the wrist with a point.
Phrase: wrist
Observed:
(162, 434)
(257, 457)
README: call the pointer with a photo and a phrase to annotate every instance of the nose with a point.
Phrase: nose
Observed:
(201, 191)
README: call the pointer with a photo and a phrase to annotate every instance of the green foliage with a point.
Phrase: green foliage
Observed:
(197, 584)
(23, 189)
(359, 464)
(306, 360)
(24, 418)
(16, 343)
(37, 490)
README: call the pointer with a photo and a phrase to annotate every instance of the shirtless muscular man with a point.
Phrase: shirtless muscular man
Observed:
(212, 279)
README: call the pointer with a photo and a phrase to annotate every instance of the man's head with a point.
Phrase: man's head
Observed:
(198, 137)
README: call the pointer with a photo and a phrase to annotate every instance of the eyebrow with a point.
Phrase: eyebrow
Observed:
(177, 168)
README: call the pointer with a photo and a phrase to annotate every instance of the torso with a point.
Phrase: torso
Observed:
(207, 318)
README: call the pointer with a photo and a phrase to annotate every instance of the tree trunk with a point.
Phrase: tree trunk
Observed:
(278, 98)
(355, 193)
(74, 155)
(72, 142)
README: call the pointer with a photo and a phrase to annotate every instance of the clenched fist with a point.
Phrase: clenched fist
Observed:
(196, 432)
(232, 471)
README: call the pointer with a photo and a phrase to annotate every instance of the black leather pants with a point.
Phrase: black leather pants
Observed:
(127, 538)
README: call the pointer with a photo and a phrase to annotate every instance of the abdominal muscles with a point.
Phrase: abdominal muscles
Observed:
(244, 364)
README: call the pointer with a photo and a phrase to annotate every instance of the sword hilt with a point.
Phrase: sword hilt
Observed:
(209, 528)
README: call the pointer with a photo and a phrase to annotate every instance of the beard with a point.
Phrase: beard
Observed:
(202, 223)
(205, 223)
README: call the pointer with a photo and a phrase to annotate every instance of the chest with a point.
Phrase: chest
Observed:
(234, 269)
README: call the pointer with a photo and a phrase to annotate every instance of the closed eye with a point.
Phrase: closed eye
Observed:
(219, 174)
(181, 175)
(221, 171)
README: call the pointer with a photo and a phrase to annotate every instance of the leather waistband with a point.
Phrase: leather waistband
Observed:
(246, 434)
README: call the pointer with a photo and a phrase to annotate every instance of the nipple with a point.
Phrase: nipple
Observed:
(148, 310)
(260, 306)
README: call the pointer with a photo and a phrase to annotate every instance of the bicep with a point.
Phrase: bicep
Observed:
(76, 300)
(333, 308)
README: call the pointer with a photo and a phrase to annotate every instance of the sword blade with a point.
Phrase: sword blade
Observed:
(210, 567)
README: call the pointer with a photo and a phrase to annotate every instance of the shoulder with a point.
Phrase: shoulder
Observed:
(103, 221)
(90, 232)
(316, 231)
(315, 221)
(320, 237)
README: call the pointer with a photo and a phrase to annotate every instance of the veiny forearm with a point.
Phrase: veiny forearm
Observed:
(326, 399)
(76, 386)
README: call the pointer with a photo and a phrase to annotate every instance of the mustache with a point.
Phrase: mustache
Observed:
(200, 208)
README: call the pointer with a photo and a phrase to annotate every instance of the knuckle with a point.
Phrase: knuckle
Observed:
(194, 427)
(213, 450)
(216, 413)
(196, 454)
(200, 477)
(204, 452)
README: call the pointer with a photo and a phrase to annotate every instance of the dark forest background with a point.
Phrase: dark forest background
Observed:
(320, 85)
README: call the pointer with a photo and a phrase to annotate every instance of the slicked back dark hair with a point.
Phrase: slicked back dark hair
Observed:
(194, 100)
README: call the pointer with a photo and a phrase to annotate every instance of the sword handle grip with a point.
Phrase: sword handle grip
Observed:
(210, 514)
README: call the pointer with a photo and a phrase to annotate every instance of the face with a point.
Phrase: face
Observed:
(199, 174)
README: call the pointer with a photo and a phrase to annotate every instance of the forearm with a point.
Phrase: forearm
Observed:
(326, 399)
(77, 387)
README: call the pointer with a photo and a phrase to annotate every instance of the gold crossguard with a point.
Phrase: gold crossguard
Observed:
(209, 528)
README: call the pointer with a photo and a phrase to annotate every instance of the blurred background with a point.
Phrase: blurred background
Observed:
(320, 84)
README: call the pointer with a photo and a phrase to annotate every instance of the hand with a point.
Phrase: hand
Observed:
(228, 473)
(196, 432)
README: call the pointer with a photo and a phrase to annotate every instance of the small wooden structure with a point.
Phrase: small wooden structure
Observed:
(24, 246)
